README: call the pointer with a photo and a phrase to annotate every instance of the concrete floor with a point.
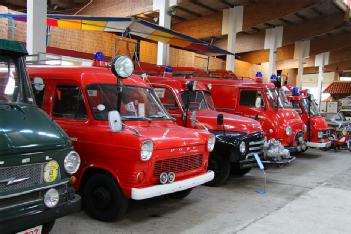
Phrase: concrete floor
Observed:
(312, 195)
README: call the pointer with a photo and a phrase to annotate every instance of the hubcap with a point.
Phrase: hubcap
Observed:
(101, 197)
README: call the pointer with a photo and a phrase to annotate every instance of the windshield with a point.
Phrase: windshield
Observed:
(283, 96)
(274, 98)
(296, 106)
(313, 107)
(137, 102)
(198, 100)
(14, 84)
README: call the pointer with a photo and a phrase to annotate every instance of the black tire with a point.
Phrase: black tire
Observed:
(237, 171)
(47, 227)
(220, 165)
(179, 195)
(103, 199)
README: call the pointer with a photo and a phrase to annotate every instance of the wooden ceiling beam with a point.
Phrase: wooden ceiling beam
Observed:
(186, 10)
(200, 4)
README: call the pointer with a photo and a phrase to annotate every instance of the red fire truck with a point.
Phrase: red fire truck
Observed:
(131, 148)
(318, 133)
(262, 102)
(237, 138)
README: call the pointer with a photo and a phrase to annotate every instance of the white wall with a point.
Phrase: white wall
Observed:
(309, 81)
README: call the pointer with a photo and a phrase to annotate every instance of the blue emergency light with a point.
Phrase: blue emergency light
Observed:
(295, 91)
(99, 56)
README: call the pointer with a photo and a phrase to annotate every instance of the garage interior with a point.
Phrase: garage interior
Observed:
(306, 43)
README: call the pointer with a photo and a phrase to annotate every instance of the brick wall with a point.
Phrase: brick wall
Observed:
(76, 40)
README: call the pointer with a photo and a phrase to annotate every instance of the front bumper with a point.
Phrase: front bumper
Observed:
(162, 189)
(33, 219)
(319, 144)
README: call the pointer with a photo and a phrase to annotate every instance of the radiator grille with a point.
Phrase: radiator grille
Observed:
(179, 164)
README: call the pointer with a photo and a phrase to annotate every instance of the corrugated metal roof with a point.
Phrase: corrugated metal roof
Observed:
(339, 87)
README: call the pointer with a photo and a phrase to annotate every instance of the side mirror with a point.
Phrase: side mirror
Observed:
(193, 119)
(258, 102)
(38, 84)
(220, 119)
(115, 122)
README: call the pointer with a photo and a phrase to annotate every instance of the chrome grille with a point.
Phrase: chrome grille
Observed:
(256, 143)
(28, 198)
(179, 164)
(33, 172)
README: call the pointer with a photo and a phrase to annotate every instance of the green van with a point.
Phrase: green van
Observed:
(37, 161)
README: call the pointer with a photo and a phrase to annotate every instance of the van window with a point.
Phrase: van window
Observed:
(69, 102)
(248, 98)
(166, 97)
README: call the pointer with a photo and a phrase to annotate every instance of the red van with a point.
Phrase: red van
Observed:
(237, 138)
(318, 133)
(130, 147)
(262, 102)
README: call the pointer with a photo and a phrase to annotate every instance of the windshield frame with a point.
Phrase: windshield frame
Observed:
(208, 106)
(314, 109)
(274, 101)
(147, 89)
(25, 92)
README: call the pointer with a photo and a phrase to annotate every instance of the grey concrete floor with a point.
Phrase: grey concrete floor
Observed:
(312, 195)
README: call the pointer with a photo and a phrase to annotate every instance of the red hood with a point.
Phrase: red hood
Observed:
(231, 122)
(319, 123)
(167, 135)
(289, 117)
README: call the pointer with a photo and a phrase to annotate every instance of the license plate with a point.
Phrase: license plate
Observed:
(35, 230)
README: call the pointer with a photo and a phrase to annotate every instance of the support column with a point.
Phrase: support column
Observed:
(273, 40)
(36, 26)
(321, 60)
(165, 21)
(232, 23)
(301, 51)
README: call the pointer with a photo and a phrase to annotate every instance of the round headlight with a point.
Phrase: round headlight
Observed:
(242, 147)
(122, 66)
(320, 134)
(288, 131)
(51, 198)
(211, 143)
(72, 162)
(146, 150)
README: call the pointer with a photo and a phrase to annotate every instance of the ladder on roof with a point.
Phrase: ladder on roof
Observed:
(56, 60)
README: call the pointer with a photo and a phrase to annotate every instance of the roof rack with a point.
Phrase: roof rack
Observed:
(56, 60)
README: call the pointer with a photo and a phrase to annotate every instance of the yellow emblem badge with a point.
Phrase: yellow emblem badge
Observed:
(51, 171)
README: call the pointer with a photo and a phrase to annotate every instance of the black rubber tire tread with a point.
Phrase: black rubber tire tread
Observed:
(118, 202)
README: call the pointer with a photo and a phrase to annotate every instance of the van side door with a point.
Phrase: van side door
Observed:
(251, 103)
(69, 110)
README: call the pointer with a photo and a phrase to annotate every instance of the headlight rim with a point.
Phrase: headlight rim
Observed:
(66, 159)
(151, 150)
(210, 145)
(243, 143)
(118, 63)
(288, 131)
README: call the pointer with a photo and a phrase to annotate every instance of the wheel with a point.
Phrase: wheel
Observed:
(237, 171)
(47, 227)
(220, 165)
(103, 199)
(179, 195)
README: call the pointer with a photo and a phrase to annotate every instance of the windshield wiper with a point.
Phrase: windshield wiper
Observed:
(14, 106)
(136, 118)
(158, 116)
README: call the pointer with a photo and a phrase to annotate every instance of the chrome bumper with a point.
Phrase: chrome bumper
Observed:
(162, 189)
(319, 145)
